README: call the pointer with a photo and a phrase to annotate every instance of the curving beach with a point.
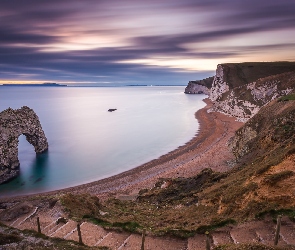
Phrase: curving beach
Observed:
(208, 149)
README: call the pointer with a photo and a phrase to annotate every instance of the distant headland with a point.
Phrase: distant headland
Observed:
(46, 84)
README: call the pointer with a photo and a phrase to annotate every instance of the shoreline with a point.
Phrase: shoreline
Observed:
(206, 149)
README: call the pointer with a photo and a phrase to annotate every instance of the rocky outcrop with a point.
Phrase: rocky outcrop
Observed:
(270, 132)
(241, 89)
(14, 123)
(111, 110)
(244, 100)
(199, 87)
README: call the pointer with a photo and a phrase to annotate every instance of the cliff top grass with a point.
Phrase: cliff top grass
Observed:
(290, 97)
(237, 74)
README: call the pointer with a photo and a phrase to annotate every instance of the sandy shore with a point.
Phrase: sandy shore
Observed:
(208, 149)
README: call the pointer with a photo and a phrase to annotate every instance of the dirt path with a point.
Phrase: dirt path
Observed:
(261, 231)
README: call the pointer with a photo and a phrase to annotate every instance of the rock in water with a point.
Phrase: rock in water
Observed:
(112, 110)
(14, 123)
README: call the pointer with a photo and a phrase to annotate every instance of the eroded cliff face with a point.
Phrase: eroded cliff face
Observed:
(219, 85)
(195, 88)
(14, 123)
(199, 87)
(269, 134)
(240, 90)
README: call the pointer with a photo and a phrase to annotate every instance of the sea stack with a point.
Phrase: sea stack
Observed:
(14, 123)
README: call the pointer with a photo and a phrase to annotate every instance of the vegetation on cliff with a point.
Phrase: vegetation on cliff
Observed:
(238, 74)
(240, 90)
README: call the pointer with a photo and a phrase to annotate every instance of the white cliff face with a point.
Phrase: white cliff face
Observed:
(219, 86)
(233, 106)
(195, 88)
(268, 91)
(13, 123)
(245, 101)
(262, 92)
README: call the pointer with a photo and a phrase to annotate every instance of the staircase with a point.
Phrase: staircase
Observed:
(92, 235)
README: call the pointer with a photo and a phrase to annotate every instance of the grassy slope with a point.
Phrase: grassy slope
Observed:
(237, 74)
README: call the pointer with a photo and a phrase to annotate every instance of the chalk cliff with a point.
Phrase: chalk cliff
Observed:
(14, 123)
(199, 87)
(244, 101)
(241, 89)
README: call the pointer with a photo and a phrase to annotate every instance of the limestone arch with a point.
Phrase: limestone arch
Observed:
(14, 123)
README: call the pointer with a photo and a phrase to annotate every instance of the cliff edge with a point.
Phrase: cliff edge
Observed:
(241, 89)
(199, 86)
(14, 123)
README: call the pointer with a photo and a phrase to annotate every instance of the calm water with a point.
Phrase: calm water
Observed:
(87, 143)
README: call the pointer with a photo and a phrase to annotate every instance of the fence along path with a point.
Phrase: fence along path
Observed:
(53, 223)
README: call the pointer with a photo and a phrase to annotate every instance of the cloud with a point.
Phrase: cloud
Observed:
(128, 39)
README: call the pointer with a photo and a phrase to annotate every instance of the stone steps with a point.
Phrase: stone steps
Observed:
(161, 243)
(287, 231)
(93, 235)
(243, 234)
(21, 219)
(222, 236)
(27, 221)
(265, 232)
(113, 240)
(132, 242)
(64, 230)
(51, 228)
(47, 217)
(198, 242)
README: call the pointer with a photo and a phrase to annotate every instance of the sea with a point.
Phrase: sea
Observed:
(88, 143)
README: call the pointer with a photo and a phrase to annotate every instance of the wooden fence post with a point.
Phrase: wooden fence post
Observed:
(142, 239)
(79, 234)
(277, 235)
(207, 240)
(39, 227)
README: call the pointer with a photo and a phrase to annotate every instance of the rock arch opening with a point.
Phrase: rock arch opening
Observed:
(26, 153)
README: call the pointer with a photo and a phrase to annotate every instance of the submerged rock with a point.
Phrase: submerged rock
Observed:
(14, 123)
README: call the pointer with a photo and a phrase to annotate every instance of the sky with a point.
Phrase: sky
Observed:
(107, 42)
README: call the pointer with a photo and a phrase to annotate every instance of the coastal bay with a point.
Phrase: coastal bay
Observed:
(88, 143)
(207, 149)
